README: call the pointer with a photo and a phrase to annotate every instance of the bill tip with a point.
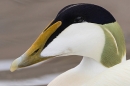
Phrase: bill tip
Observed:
(14, 65)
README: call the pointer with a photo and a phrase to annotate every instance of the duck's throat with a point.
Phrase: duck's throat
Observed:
(90, 67)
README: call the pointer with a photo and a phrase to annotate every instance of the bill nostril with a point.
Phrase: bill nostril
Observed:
(35, 52)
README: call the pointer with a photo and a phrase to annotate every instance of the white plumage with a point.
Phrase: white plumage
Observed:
(118, 75)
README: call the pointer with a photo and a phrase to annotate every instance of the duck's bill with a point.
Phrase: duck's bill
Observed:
(32, 55)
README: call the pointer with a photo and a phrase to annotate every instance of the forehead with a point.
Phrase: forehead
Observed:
(72, 9)
(81, 9)
(90, 12)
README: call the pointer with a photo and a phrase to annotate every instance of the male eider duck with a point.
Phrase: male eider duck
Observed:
(85, 30)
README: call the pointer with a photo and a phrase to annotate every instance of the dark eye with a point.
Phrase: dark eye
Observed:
(78, 19)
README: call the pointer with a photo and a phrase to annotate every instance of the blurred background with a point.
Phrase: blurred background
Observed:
(21, 21)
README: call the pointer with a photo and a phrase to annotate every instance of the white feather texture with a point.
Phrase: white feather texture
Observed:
(86, 70)
(85, 39)
(118, 75)
(95, 75)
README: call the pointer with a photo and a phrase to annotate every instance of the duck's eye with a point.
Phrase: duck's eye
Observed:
(78, 19)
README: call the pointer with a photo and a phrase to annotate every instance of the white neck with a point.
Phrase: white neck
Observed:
(86, 70)
(90, 67)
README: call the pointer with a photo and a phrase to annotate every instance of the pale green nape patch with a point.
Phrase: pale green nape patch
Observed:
(114, 48)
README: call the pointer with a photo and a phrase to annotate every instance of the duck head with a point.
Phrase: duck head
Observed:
(79, 29)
